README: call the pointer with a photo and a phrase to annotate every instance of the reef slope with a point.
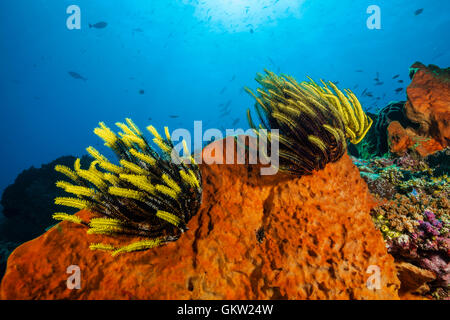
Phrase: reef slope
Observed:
(273, 237)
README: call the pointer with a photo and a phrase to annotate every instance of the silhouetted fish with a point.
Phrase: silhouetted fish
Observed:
(399, 90)
(369, 94)
(141, 91)
(224, 114)
(223, 90)
(76, 76)
(98, 25)
(379, 83)
(377, 78)
(173, 116)
(252, 31)
(138, 30)
(418, 11)
(236, 121)
(400, 81)
(271, 60)
(396, 76)
(359, 71)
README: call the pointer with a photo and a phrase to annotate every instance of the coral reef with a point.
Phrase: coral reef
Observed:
(428, 108)
(414, 279)
(414, 215)
(310, 246)
(400, 140)
(440, 161)
(418, 125)
(394, 111)
(429, 102)
(313, 121)
(295, 235)
(148, 194)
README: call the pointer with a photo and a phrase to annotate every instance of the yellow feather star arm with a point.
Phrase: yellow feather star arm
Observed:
(67, 172)
(67, 217)
(169, 217)
(138, 246)
(126, 193)
(72, 202)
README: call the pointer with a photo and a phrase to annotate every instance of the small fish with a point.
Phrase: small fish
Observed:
(76, 76)
(365, 90)
(399, 90)
(233, 78)
(377, 79)
(396, 76)
(359, 71)
(379, 83)
(138, 30)
(271, 60)
(369, 94)
(173, 116)
(236, 121)
(141, 91)
(418, 11)
(400, 81)
(98, 25)
(335, 82)
(223, 90)
(150, 118)
(252, 31)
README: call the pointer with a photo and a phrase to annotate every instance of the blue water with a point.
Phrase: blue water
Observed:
(189, 57)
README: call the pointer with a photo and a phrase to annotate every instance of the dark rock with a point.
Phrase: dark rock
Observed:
(28, 202)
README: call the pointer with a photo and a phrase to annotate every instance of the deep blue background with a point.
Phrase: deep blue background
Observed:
(183, 56)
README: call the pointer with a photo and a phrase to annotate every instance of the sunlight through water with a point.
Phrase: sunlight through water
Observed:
(243, 15)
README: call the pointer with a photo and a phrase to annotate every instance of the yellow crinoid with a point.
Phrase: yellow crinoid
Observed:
(313, 122)
(145, 194)
(356, 121)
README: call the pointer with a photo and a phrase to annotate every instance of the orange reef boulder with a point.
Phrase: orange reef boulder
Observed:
(400, 140)
(428, 105)
(254, 237)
